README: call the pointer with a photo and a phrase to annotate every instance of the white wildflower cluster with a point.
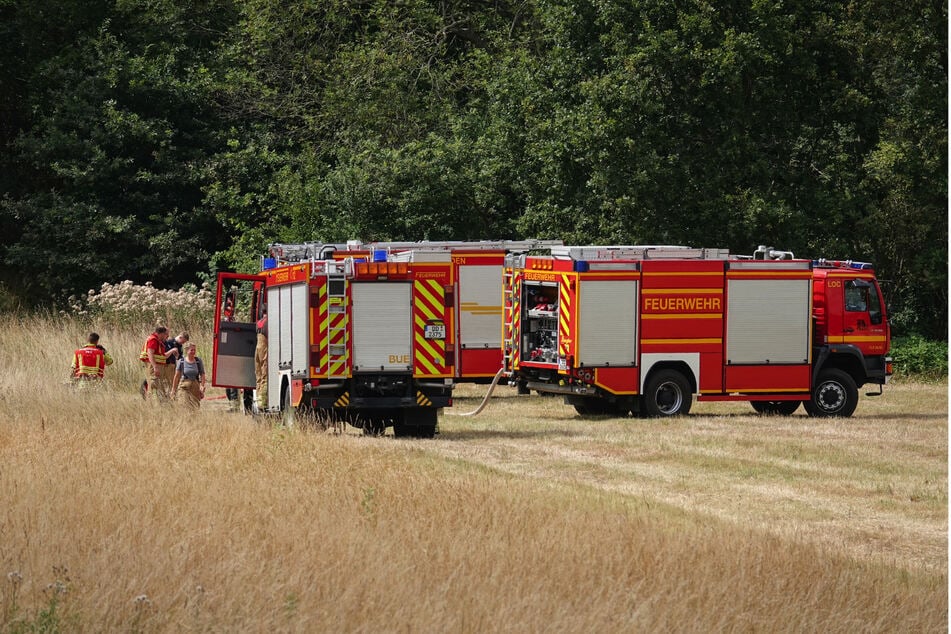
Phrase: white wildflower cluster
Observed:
(126, 303)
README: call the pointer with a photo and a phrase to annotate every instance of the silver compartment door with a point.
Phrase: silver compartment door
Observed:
(607, 322)
(382, 326)
(480, 306)
(768, 321)
(288, 310)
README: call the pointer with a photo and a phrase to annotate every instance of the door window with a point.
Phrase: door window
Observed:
(862, 297)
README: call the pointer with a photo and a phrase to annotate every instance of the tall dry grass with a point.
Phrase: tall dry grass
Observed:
(119, 516)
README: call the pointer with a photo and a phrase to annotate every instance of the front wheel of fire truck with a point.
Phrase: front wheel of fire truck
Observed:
(667, 393)
(775, 408)
(835, 394)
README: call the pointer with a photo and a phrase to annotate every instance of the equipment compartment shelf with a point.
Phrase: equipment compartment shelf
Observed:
(540, 326)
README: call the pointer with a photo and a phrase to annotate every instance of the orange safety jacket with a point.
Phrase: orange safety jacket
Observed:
(157, 347)
(89, 362)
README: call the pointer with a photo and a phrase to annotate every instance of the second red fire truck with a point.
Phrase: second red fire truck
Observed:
(643, 329)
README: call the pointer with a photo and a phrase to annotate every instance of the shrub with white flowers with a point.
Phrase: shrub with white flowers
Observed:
(126, 304)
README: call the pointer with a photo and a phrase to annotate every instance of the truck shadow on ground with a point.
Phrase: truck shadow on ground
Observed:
(454, 435)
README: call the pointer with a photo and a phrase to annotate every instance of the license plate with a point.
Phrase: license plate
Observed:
(435, 331)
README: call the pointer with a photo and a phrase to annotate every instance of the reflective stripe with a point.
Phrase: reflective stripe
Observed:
(158, 349)
(89, 361)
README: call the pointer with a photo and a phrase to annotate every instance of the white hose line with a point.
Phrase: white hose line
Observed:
(485, 399)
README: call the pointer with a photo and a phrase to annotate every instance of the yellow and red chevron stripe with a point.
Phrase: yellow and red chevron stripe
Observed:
(337, 327)
(332, 323)
(429, 308)
(513, 323)
(564, 316)
(318, 335)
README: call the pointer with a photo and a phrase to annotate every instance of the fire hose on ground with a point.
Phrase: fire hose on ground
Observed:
(485, 399)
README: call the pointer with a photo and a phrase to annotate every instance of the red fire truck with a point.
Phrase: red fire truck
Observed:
(644, 329)
(375, 334)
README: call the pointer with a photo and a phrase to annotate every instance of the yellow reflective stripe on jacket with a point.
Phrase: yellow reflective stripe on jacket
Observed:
(90, 361)
(159, 356)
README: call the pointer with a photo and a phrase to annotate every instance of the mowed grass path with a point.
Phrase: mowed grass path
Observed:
(873, 486)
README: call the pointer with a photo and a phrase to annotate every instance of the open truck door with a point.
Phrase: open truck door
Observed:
(237, 306)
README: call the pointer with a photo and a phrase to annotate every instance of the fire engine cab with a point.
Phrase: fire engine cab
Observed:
(645, 328)
(375, 334)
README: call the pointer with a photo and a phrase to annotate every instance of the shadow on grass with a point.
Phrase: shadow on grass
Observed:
(483, 434)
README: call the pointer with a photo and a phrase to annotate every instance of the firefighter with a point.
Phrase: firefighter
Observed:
(190, 377)
(168, 372)
(155, 357)
(260, 360)
(90, 361)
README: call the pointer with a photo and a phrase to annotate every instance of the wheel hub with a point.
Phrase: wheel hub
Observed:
(668, 398)
(831, 396)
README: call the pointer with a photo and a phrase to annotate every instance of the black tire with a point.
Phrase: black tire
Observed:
(426, 418)
(373, 424)
(667, 393)
(600, 407)
(775, 408)
(834, 394)
(418, 422)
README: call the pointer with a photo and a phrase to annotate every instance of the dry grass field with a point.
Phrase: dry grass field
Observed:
(117, 516)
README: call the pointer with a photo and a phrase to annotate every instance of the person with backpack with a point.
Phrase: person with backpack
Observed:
(190, 377)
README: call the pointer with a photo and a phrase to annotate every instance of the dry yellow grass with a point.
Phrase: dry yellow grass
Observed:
(117, 516)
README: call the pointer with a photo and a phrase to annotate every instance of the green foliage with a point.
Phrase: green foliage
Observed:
(52, 617)
(103, 170)
(919, 358)
(162, 141)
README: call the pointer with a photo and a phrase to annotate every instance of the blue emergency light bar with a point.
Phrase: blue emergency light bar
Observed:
(859, 266)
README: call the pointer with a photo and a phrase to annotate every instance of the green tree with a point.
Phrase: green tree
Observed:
(107, 161)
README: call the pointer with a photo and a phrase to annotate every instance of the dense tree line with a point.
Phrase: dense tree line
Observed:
(161, 140)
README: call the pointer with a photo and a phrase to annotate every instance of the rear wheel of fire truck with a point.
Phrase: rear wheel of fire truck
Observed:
(373, 424)
(426, 422)
(593, 406)
(667, 393)
(418, 422)
(835, 394)
(775, 408)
